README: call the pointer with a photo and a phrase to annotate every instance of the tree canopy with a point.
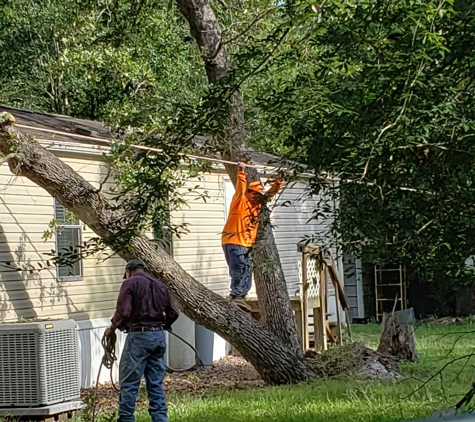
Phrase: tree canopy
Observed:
(374, 95)
(377, 95)
(118, 61)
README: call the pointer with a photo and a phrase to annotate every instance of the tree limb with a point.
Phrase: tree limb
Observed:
(274, 361)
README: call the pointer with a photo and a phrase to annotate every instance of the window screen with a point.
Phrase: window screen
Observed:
(68, 239)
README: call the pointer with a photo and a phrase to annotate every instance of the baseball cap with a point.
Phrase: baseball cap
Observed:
(256, 186)
(134, 264)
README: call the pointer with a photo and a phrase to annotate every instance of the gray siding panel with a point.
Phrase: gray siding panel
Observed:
(350, 283)
(293, 223)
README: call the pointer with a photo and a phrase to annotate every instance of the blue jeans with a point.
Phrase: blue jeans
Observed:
(143, 354)
(240, 269)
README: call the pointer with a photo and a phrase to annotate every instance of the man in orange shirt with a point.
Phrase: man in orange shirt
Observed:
(240, 230)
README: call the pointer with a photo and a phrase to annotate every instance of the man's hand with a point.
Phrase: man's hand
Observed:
(109, 330)
(241, 166)
(281, 174)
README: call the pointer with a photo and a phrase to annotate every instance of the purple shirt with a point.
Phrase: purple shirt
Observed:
(144, 302)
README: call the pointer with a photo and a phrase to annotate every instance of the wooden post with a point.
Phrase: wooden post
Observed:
(338, 319)
(298, 320)
(319, 319)
(403, 305)
(323, 307)
(376, 293)
(317, 328)
(304, 307)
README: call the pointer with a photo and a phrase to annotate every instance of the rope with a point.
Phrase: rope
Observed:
(108, 344)
(109, 358)
(217, 160)
(158, 150)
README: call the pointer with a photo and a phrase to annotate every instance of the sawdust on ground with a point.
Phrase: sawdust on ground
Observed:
(229, 373)
(234, 373)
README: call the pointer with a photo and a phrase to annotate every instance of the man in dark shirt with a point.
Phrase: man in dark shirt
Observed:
(144, 310)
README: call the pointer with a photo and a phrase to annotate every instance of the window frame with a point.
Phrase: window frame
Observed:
(79, 226)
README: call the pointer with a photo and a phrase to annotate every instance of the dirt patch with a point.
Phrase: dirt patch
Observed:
(229, 373)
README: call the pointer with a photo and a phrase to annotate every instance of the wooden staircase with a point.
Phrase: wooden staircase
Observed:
(317, 269)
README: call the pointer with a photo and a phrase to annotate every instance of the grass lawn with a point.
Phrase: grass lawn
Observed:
(350, 399)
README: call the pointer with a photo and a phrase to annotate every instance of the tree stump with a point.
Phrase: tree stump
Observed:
(397, 339)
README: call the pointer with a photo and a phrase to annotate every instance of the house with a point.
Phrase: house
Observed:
(87, 292)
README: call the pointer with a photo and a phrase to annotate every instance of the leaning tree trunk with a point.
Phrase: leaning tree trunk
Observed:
(271, 287)
(397, 339)
(274, 362)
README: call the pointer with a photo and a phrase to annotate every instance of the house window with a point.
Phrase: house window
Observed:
(68, 241)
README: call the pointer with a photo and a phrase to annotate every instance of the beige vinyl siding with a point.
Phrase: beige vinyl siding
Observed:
(199, 252)
(25, 212)
(292, 222)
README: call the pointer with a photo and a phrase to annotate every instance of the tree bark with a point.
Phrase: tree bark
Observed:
(397, 339)
(274, 362)
(271, 287)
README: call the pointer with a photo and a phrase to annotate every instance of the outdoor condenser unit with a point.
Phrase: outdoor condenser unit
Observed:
(39, 363)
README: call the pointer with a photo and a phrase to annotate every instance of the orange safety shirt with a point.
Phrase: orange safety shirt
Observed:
(243, 217)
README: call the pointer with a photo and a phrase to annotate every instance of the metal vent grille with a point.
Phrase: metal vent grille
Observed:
(18, 368)
(39, 363)
(61, 365)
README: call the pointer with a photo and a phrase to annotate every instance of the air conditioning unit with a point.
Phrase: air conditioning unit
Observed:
(39, 363)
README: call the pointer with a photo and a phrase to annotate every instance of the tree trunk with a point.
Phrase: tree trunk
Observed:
(397, 339)
(271, 287)
(274, 362)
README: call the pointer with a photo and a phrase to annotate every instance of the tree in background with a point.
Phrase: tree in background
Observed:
(378, 97)
(118, 61)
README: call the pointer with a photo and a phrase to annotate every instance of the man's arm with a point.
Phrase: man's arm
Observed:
(241, 182)
(276, 187)
(171, 312)
(124, 305)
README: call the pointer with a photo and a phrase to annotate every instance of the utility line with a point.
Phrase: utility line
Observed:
(142, 147)
(211, 159)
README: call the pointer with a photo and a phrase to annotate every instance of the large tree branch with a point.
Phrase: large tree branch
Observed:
(275, 362)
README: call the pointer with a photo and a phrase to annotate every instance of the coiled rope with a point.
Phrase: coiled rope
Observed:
(108, 345)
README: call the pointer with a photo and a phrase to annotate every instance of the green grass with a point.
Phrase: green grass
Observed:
(350, 399)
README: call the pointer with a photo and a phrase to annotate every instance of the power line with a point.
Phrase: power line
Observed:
(142, 147)
(211, 159)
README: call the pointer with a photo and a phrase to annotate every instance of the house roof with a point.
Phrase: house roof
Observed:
(65, 129)
(44, 126)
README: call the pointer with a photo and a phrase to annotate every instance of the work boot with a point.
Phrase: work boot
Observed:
(242, 304)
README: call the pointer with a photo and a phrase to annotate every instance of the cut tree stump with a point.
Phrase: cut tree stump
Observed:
(397, 339)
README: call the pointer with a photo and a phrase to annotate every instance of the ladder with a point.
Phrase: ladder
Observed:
(390, 287)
